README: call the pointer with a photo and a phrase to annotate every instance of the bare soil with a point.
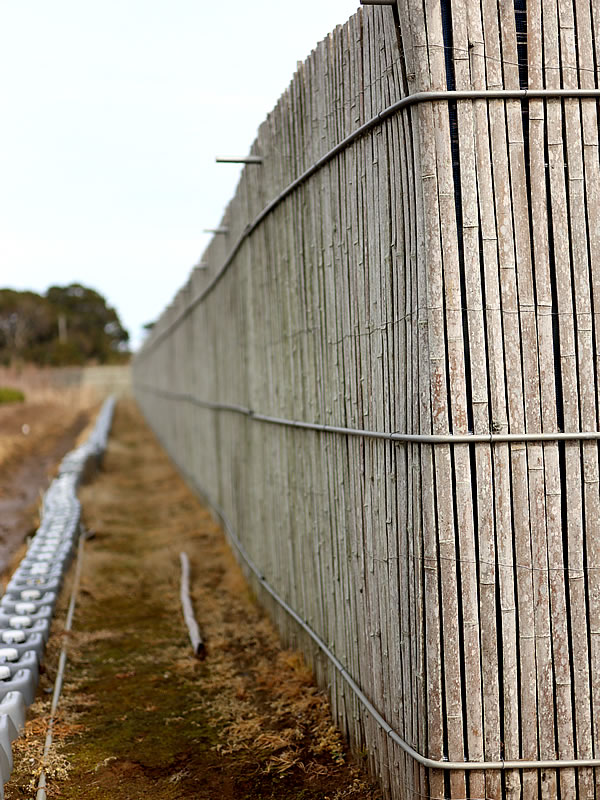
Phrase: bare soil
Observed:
(140, 716)
(34, 436)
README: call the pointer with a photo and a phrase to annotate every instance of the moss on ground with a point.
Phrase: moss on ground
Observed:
(140, 716)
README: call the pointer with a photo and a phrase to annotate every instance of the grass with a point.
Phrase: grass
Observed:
(10, 395)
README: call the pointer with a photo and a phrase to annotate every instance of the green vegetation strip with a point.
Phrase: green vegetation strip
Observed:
(10, 395)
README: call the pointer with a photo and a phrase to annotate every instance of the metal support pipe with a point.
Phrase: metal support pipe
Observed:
(399, 105)
(216, 230)
(393, 436)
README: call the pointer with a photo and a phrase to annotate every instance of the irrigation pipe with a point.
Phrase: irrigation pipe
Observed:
(394, 108)
(416, 438)
(429, 763)
(188, 612)
(62, 661)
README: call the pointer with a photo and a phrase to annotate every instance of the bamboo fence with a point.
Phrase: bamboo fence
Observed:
(370, 375)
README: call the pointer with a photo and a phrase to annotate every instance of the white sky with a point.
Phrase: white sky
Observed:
(112, 114)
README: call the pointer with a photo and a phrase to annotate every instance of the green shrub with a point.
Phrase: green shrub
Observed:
(9, 395)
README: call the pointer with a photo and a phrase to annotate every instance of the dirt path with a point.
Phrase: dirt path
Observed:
(140, 716)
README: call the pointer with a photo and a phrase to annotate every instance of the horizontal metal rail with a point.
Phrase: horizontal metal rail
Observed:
(430, 763)
(394, 436)
(405, 102)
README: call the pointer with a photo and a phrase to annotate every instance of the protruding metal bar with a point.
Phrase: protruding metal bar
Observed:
(377, 2)
(201, 265)
(216, 230)
(240, 160)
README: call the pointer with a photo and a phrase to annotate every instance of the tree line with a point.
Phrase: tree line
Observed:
(68, 325)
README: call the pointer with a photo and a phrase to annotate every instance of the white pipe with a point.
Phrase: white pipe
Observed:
(188, 612)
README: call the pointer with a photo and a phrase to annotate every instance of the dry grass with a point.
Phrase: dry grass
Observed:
(45, 415)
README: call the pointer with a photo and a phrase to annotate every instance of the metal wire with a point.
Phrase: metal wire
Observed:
(394, 436)
(382, 116)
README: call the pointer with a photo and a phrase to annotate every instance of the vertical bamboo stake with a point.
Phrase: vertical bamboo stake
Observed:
(414, 33)
(588, 77)
(585, 415)
(568, 379)
(548, 462)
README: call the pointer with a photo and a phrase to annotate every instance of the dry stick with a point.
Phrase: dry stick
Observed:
(372, 642)
(307, 270)
(415, 35)
(556, 490)
(590, 121)
(327, 554)
(265, 548)
(282, 266)
(353, 389)
(479, 395)
(409, 500)
(371, 388)
(345, 547)
(497, 410)
(329, 335)
(405, 575)
(389, 358)
(523, 399)
(378, 224)
(351, 357)
(283, 368)
(501, 290)
(322, 72)
(188, 612)
(455, 513)
(288, 336)
(334, 375)
(271, 180)
(323, 138)
(579, 456)
(539, 466)
(345, 353)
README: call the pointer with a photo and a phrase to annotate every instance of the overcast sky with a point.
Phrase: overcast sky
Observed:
(112, 115)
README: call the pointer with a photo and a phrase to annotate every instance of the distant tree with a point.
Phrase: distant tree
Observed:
(68, 325)
(26, 319)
